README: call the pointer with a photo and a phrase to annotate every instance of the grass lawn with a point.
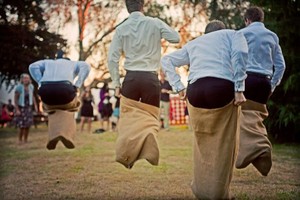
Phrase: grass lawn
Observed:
(30, 171)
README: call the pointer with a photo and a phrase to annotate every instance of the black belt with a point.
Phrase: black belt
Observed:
(259, 75)
(152, 72)
(56, 82)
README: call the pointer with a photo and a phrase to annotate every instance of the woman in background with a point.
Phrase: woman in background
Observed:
(103, 91)
(87, 114)
(24, 100)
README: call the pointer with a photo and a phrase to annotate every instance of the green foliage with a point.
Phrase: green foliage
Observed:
(230, 12)
(24, 37)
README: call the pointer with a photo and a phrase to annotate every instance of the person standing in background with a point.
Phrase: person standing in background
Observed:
(265, 69)
(24, 104)
(10, 108)
(139, 40)
(166, 90)
(102, 94)
(86, 110)
(106, 112)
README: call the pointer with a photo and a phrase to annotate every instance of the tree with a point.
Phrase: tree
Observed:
(230, 12)
(95, 21)
(24, 37)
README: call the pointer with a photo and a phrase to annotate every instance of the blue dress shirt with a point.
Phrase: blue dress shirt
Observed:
(265, 55)
(59, 70)
(220, 54)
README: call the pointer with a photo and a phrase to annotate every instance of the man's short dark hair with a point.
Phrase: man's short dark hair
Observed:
(134, 5)
(254, 14)
(214, 25)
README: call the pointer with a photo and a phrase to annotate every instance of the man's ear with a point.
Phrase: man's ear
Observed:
(247, 22)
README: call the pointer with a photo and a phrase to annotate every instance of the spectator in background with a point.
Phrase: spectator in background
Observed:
(4, 117)
(116, 113)
(24, 103)
(106, 112)
(10, 108)
(166, 90)
(86, 111)
(102, 94)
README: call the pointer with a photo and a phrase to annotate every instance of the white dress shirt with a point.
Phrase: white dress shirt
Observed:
(59, 70)
(220, 54)
(139, 38)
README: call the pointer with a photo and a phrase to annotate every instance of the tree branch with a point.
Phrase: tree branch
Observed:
(90, 49)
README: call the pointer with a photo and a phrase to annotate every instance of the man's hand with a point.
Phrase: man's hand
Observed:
(239, 98)
(182, 94)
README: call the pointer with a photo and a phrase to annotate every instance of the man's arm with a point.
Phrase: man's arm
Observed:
(239, 56)
(279, 66)
(170, 62)
(168, 33)
(84, 70)
(16, 100)
(36, 70)
(114, 55)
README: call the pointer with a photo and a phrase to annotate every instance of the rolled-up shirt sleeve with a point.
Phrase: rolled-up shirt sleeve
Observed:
(239, 56)
(114, 55)
(82, 71)
(170, 62)
(36, 71)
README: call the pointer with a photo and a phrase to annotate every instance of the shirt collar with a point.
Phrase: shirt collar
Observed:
(136, 14)
(257, 24)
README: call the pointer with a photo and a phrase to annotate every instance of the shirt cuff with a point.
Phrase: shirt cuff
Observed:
(78, 84)
(178, 87)
(116, 84)
(239, 86)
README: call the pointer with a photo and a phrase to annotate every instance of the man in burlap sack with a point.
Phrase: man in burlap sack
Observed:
(139, 40)
(59, 95)
(265, 68)
(217, 63)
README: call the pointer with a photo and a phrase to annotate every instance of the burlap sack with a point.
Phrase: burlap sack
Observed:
(61, 127)
(61, 123)
(215, 146)
(254, 140)
(137, 130)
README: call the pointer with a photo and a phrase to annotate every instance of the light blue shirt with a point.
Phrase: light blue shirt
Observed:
(265, 55)
(59, 70)
(220, 54)
(139, 38)
(21, 90)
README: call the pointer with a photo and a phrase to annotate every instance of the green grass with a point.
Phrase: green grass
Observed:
(89, 171)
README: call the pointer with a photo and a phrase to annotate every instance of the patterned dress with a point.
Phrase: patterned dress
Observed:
(25, 120)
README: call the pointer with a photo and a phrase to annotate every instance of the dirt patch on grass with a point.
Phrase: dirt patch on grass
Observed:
(89, 171)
